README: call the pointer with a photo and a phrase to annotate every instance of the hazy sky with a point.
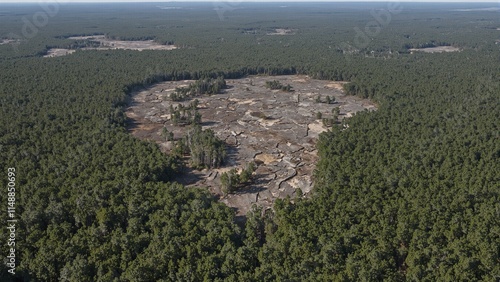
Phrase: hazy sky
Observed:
(497, 2)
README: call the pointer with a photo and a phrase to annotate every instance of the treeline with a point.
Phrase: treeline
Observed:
(201, 86)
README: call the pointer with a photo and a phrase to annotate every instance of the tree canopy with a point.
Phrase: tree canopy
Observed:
(409, 192)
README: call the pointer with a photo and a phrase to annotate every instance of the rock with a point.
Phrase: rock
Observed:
(303, 182)
(291, 161)
(266, 158)
(232, 141)
(290, 148)
(286, 190)
(284, 176)
(257, 153)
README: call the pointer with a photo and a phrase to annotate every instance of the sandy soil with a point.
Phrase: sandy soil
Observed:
(339, 85)
(282, 31)
(108, 44)
(439, 49)
(275, 129)
(55, 52)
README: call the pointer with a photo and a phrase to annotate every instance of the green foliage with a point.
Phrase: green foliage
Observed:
(275, 85)
(318, 99)
(181, 115)
(406, 193)
(201, 86)
(231, 181)
(169, 136)
(328, 99)
(247, 173)
(204, 148)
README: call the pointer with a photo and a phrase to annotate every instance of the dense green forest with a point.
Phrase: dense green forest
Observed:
(409, 192)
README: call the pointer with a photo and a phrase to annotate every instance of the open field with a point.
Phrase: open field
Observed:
(110, 44)
(57, 52)
(439, 49)
(282, 31)
(277, 130)
(8, 41)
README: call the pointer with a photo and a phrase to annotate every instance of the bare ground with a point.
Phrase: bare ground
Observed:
(282, 31)
(8, 41)
(57, 52)
(109, 44)
(439, 49)
(275, 129)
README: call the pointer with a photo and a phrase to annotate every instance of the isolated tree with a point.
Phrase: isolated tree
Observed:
(164, 132)
(246, 174)
(318, 98)
(196, 118)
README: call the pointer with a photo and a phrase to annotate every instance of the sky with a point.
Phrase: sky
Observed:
(497, 2)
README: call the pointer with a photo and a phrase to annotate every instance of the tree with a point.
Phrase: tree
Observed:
(196, 118)
(274, 85)
(336, 111)
(330, 99)
(287, 88)
(165, 133)
(318, 98)
(204, 148)
(246, 174)
(231, 181)
(226, 187)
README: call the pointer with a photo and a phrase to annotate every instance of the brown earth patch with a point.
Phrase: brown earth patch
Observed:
(277, 130)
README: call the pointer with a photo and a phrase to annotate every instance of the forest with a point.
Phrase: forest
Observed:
(409, 192)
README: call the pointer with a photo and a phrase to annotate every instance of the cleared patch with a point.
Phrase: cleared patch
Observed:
(110, 44)
(8, 41)
(337, 85)
(439, 49)
(282, 31)
(278, 130)
(57, 52)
